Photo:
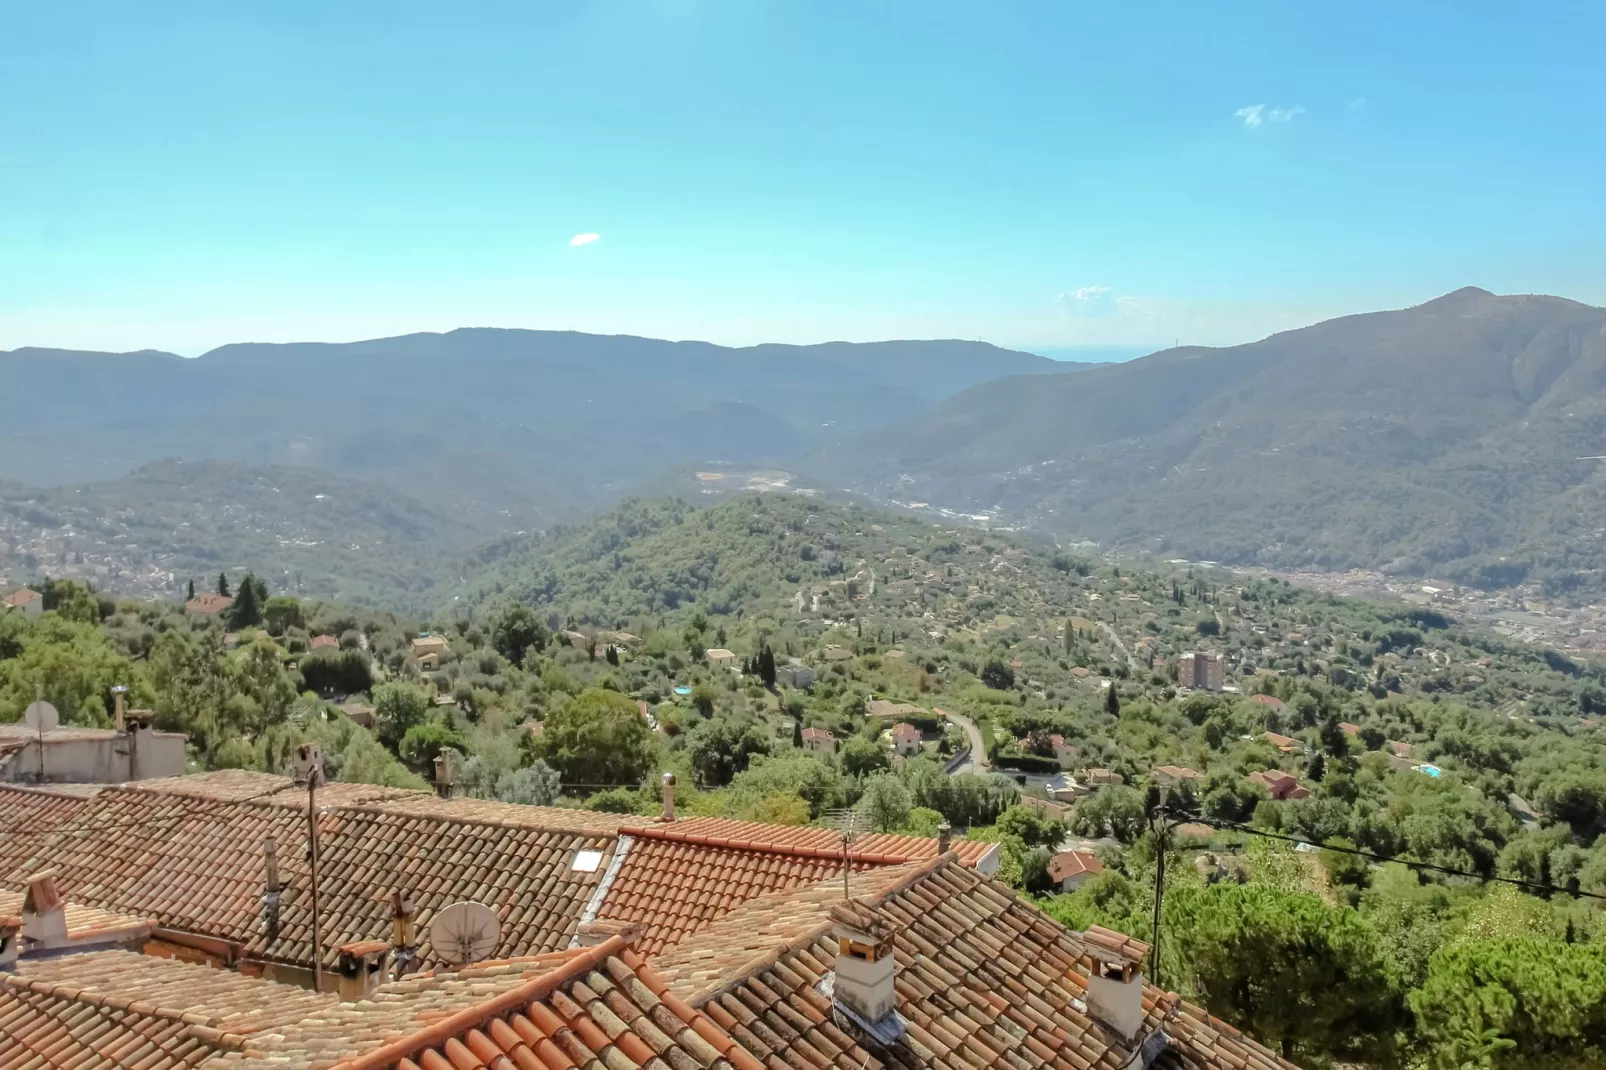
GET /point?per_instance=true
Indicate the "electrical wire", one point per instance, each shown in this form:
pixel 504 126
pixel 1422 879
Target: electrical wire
pixel 1234 826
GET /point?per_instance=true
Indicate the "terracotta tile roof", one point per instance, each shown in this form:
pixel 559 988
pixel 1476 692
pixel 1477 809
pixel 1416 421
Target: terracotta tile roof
pixel 209 603
pixel 117 1009
pixel 1073 864
pixel 324 642
pixel 984 980
pixel 22 596
pixel 189 854
pixel 678 878
pixel 27 815
pixel 1271 702
pixel 594 1008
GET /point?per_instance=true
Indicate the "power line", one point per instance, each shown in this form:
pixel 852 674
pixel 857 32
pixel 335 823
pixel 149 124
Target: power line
pixel 1411 863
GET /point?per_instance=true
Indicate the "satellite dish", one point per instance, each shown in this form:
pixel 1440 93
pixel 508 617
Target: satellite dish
pixel 465 932
pixel 41 716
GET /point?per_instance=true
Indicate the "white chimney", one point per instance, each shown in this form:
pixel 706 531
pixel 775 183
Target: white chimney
pixel 1115 983
pixel 669 797
pixel 44 918
pixel 863 984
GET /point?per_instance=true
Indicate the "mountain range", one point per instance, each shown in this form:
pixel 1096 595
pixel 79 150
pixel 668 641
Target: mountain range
pixel 499 425
pixel 1462 438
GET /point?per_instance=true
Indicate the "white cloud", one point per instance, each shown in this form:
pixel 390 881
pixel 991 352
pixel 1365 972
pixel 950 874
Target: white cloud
pixel 1087 301
pixel 1256 114
pixel 584 239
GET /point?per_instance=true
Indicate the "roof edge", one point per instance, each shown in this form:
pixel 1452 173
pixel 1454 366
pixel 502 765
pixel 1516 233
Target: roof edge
pixel 580 964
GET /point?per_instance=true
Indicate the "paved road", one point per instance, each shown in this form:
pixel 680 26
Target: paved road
pixel 1131 662
pixel 978 752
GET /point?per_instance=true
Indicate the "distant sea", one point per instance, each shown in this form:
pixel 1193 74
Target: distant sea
pixel 1090 354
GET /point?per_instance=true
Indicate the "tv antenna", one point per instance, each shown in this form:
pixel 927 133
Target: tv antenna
pixel 846 822
pixel 465 932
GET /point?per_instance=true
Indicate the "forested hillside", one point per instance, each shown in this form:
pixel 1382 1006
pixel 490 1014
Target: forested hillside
pixel 307 532
pixel 574 666
pixel 1460 438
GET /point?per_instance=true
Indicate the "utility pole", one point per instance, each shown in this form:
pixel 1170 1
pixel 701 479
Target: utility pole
pixel 1159 892
pixel 311 756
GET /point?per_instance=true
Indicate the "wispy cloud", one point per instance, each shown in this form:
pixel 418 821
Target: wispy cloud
pixel 584 239
pixel 1084 294
pixel 1255 115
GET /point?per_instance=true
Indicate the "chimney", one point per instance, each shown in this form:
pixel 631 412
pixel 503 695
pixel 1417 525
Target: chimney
pixel 44 919
pixel 117 699
pixel 10 937
pixel 362 969
pixel 270 889
pixel 945 837
pixel 1115 982
pixel 443 775
pixel 401 933
pixel 863 984
pixel 669 797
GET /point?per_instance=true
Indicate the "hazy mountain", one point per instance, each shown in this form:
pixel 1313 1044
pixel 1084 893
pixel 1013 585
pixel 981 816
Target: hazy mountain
pixel 520 426
pixel 1462 436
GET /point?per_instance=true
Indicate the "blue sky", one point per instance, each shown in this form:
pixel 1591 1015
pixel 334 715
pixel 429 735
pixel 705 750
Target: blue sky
pixel 1052 175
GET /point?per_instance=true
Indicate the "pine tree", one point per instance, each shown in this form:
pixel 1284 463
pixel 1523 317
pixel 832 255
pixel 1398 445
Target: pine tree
pixel 223 584
pixel 246 612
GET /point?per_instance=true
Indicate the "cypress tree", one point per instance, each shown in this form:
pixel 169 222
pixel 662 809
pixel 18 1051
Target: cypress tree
pixel 223 584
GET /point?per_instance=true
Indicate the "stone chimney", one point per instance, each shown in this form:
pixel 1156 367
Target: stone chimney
pixel 863 984
pixel 945 837
pixel 668 789
pixel 270 889
pixel 1115 982
pixel 362 969
pixel 44 918
pixel 443 775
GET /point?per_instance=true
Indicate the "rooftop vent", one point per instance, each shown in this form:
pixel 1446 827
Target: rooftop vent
pixel 44 918
pixel 669 797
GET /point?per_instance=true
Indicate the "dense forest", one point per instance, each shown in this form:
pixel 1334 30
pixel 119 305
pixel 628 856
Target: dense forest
pixel 570 668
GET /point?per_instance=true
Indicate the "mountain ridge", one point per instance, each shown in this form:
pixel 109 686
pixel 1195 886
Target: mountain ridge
pixel 1471 407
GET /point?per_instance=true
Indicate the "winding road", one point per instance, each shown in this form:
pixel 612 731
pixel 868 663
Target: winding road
pixel 978 752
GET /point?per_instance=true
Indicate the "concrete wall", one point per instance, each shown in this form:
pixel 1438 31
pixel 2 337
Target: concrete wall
pixel 137 755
